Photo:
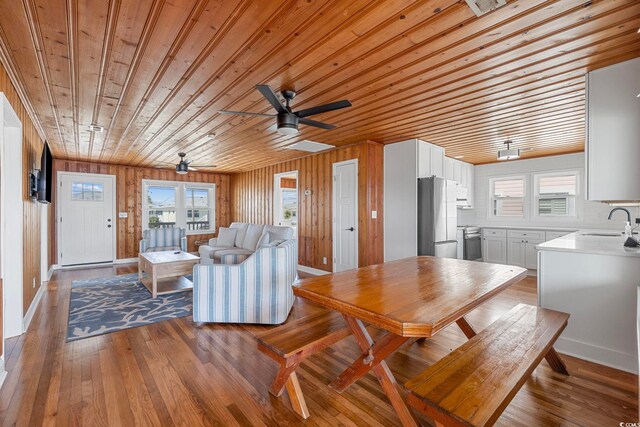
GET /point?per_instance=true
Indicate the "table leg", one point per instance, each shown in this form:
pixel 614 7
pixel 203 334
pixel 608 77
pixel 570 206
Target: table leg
pixel 154 282
pixel 553 359
pixel 373 359
pixel 139 269
pixel 467 329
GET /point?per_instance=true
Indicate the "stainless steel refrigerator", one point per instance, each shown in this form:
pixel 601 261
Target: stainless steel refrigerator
pixel 437 217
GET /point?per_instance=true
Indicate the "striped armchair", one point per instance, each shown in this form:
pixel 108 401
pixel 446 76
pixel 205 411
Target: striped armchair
pixel 163 239
pixel 259 290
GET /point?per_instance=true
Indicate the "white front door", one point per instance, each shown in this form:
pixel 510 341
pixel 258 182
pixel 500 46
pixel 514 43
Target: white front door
pixel 86 220
pixel 345 215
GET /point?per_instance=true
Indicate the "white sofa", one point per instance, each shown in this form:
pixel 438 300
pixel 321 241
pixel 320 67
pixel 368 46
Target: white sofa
pixel 248 237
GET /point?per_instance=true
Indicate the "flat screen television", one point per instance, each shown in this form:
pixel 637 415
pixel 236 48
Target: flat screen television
pixel 44 181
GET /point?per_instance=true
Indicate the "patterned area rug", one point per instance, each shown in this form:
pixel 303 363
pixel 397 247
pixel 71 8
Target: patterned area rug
pixel 110 304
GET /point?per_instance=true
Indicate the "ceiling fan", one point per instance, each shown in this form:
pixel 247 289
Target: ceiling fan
pixel 184 165
pixel 288 120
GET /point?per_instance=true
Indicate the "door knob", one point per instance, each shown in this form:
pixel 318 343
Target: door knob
pixel 349 229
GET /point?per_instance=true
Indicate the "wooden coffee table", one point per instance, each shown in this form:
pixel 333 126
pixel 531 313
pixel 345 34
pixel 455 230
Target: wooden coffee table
pixel 165 271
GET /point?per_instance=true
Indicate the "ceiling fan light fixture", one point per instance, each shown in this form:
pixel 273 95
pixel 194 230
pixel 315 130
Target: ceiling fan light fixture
pixel 509 153
pixel 287 130
pixel 182 168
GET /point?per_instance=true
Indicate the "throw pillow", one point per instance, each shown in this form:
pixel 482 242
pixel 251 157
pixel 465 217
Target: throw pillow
pixel 254 231
pixel 227 237
pixel 276 242
pixel 264 240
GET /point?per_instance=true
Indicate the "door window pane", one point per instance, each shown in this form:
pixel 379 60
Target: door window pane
pixel 161 203
pixel 289 206
pixel 87 191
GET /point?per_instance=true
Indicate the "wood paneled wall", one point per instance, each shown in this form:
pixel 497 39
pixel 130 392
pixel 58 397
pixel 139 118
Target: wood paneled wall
pixel 252 201
pixel 31 150
pixel 129 199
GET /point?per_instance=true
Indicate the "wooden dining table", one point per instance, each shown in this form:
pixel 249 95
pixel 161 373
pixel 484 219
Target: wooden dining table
pixel 410 299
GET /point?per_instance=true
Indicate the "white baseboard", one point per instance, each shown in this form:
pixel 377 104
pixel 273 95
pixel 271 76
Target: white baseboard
pixel 50 272
pixel 80 266
pixel 312 271
pixel 125 260
pixel 3 373
pixel 26 321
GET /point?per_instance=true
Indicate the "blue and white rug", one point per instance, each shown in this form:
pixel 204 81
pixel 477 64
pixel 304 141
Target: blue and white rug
pixel 110 304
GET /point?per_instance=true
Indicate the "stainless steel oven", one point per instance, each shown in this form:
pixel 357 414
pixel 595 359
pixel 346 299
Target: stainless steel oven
pixel 472 243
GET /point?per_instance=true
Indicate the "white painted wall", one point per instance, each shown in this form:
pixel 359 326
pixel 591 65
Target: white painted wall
pixel 400 200
pixel 11 214
pixel 590 214
pixel 44 242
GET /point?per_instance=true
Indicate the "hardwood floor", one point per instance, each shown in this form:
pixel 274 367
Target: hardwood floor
pixel 178 373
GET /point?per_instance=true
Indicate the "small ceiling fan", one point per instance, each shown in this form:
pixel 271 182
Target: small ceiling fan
pixel 185 165
pixel 288 120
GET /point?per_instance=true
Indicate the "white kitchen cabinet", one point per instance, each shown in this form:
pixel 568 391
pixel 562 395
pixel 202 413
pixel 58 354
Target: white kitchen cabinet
pixel 437 160
pixel 550 235
pixel 448 168
pixel 430 160
pixel 531 254
pixel 470 184
pixel 516 252
pixel 613 132
pixel 457 172
pixel 494 246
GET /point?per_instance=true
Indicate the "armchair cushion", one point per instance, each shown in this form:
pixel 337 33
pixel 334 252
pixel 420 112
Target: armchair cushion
pixel 218 254
pixel 164 248
pixel 227 236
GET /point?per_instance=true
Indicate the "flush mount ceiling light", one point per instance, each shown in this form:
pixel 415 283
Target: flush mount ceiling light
pixel 95 128
pixel 508 153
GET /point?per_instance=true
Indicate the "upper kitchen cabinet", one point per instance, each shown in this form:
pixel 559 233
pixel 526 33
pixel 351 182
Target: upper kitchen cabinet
pixel 430 160
pixel 613 133
pixel 462 173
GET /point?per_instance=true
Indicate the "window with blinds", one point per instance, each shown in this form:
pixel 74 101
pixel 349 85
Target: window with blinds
pixel 555 193
pixel 508 197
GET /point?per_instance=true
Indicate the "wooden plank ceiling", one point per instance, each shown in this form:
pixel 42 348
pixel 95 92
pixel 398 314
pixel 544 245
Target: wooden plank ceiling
pixel 155 73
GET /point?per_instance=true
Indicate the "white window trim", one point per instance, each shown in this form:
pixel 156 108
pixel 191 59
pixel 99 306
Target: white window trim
pixel 181 210
pixel 577 199
pixel 526 199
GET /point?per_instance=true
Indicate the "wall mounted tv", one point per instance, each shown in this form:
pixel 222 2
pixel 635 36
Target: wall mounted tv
pixel 41 180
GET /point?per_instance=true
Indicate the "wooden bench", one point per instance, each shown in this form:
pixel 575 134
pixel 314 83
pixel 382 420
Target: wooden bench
pixel 475 383
pixel 292 342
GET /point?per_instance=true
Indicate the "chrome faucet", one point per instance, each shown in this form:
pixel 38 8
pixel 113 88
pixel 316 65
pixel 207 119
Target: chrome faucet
pixel 621 209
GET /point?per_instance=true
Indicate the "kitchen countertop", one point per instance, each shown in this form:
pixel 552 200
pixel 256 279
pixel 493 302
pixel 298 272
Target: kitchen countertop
pixel 527 227
pixel 602 245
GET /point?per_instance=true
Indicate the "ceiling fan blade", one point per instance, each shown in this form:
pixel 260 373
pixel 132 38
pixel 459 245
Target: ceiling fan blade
pixel 268 93
pixel 323 108
pixel 202 166
pixel 316 124
pixel 245 113
pixel 273 128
